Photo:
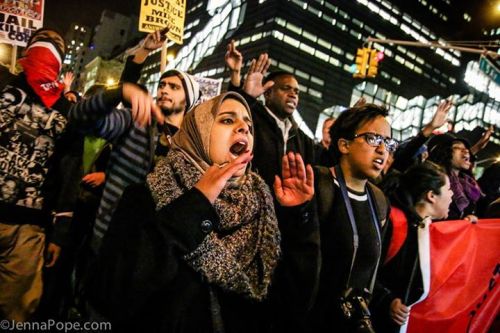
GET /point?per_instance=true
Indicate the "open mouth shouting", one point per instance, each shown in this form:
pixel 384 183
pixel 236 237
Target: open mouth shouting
pixel 378 163
pixel 238 148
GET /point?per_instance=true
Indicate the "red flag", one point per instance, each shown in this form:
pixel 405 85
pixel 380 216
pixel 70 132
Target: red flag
pixel 460 264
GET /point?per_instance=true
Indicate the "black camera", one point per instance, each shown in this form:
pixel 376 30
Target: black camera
pixel 355 309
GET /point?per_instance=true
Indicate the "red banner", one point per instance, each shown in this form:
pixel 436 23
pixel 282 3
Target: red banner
pixel 464 280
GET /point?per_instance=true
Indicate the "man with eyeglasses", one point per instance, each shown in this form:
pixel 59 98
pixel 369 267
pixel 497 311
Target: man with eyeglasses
pixel 352 213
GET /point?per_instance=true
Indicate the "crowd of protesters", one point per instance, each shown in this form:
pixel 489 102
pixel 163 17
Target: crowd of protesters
pixel 171 215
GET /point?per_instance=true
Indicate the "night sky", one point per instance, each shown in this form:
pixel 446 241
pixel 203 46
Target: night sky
pixel 60 14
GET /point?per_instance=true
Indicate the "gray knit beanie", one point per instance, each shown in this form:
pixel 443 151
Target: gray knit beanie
pixel 191 87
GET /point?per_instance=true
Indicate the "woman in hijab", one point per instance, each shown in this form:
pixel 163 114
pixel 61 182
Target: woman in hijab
pixel 196 247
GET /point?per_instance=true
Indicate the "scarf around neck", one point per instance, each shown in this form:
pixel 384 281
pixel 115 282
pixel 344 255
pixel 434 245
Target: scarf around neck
pixel 465 190
pixel 241 255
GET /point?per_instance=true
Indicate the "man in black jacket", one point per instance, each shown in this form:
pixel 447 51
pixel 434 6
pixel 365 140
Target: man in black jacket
pixel 276 133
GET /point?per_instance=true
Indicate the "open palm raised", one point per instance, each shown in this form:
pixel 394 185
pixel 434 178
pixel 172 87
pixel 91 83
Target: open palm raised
pixel 297 183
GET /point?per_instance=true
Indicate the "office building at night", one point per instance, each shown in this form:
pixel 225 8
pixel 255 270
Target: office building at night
pixel 317 41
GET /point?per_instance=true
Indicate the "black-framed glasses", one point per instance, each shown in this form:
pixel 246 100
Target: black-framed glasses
pixel 375 140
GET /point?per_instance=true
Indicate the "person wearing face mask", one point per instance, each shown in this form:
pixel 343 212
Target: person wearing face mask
pixel 197 248
pixel 423 194
pixel 454 155
pixel 22 222
pixel 23 227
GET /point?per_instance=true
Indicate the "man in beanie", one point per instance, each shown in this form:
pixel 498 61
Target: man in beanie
pixel 135 148
pixel 32 127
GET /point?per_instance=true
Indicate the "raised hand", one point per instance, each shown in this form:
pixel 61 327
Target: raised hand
pixel 154 40
pixel 215 178
pixel 233 58
pixel 297 186
pixel 359 103
pixel 143 106
pixel 253 82
pixel 68 78
pixel 483 141
pixel 439 118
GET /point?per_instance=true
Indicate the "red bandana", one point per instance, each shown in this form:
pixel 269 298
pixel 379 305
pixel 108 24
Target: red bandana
pixel 41 65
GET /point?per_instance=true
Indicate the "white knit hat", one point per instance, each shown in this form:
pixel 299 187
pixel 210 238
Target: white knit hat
pixel 191 87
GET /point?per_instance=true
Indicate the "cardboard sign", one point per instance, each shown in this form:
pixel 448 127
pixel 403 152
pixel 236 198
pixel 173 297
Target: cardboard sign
pixel 158 14
pixel 19 19
pixel 209 87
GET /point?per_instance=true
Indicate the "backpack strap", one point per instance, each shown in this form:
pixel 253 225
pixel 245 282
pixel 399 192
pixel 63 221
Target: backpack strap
pixel 399 232
pixel 325 191
pixel 381 203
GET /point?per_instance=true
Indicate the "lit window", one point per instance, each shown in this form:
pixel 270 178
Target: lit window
pixel 294 28
pixel 256 37
pixel 291 41
pixel 278 35
pixel 302 74
pixel 306 48
pixel 285 67
pixel 322 56
pixel 317 80
pixel 409 65
pixel 337 50
pixel 324 43
pixel 315 93
pixel 335 62
pixel 314 11
pixel 358 22
pixel 309 36
pixel 349 56
pixel 331 7
pixel 373 7
pixel 385 15
pixel 245 40
pixel 399 59
pixel 328 19
pixel 343 14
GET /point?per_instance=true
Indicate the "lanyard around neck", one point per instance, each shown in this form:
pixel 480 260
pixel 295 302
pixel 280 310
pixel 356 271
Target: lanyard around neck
pixel 355 242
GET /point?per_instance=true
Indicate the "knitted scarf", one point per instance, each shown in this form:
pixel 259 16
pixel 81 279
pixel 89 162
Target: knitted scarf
pixel 241 255
pixel 465 190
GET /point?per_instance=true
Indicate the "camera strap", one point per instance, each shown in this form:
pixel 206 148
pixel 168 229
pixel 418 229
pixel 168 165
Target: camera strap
pixel 347 203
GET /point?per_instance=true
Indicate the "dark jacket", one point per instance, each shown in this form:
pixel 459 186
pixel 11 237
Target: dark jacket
pixel 269 144
pixel 141 282
pixel 400 277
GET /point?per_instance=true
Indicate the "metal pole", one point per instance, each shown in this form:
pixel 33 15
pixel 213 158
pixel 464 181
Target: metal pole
pixel 13 59
pixel 434 44
pixel 163 60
